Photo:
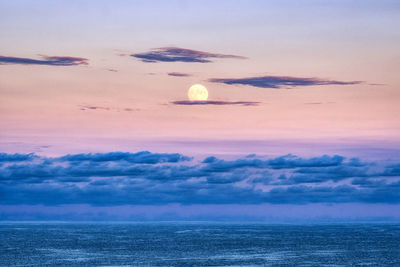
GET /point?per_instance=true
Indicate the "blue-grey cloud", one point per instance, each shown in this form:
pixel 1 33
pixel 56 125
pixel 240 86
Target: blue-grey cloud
pixel 47 60
pixel 323 174
pixel 282 162
pixel 144 157
pixel 214 102
pixel 122 178
pixel 278 82
pixel 176 54
pixel 4 157
pixel 392 170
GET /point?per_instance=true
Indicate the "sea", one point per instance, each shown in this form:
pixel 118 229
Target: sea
pixel 198 244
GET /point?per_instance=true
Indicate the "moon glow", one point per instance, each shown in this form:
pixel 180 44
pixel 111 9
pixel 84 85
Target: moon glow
pixel 197 92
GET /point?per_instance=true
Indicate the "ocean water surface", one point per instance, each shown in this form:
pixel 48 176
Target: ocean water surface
pixel 198 244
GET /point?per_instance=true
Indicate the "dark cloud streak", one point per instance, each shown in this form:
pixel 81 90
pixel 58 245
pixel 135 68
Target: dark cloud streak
pixel 214 102
pixel 179 74
pixel 279 82
pixel 47 60
pixel 176 54
pixel 103 108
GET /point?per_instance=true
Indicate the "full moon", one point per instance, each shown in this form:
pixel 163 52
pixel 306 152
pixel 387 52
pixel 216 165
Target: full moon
pixel 197 92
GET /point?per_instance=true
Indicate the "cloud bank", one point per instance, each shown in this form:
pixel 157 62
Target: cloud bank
pixel 47 60
pixel 145 178
pixel 176 54
pixel 278 82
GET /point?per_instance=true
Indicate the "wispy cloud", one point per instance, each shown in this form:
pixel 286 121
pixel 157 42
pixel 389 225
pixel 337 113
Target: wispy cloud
pixel 278 82
pixel 214 102
pixel 89 107
pixel 94 108
pixel 46 60
pixel 179 74
pixel 176 54
pixel 122 178
pixel 313 103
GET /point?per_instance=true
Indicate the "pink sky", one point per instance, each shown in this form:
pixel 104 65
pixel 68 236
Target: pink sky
pixel 41 105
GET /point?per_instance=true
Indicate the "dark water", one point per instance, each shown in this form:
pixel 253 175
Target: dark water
pixel 198 244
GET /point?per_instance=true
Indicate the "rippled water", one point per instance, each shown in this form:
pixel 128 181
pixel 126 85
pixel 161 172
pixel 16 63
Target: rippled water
pixel 198 244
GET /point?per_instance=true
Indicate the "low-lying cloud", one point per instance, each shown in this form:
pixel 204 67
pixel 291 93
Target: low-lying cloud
pixel 122 178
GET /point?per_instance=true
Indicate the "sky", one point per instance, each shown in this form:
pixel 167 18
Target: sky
pixel 302 121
